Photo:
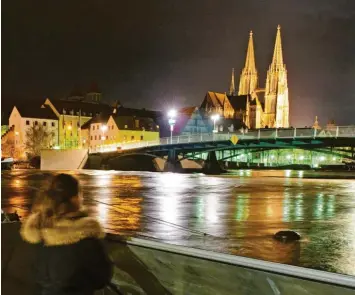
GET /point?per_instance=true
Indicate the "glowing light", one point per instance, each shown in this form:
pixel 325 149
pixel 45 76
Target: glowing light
pixel 172 113
pixel 215 117
pixel 69 127
pixel 16 133
pixel 288 173
pixel 322 158
pixel 315 165
pixel 56 147
pixel 300 174
pixel 301 158
pixel 103 137
pixel 272 157
pixel 334 158
pixel 103 128
pixel 288 157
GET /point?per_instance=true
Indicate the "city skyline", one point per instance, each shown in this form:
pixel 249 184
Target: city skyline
pixel 174 58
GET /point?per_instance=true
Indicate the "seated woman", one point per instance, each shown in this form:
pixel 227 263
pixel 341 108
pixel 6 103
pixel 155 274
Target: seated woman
pixel 70 259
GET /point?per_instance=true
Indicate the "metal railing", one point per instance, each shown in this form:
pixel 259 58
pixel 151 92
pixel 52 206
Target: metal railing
pixel 290 133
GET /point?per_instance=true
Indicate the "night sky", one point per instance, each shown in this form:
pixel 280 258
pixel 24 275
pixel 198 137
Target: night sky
pixel 160 54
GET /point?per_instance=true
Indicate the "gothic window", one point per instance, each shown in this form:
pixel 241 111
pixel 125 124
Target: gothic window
pixel 36 123
pixel 44 123
pixel 27 122
pixel 53 124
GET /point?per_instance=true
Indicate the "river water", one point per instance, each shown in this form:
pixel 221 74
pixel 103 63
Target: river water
pixel 239 212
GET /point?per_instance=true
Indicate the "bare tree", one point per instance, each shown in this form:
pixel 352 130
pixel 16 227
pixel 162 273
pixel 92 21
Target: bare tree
pixel 38 138
pixel 8 147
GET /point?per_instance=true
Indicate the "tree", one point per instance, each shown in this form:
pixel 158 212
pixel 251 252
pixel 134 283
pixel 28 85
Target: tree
pixel 38 138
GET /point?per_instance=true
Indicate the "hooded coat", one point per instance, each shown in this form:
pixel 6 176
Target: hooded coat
pixel 70 258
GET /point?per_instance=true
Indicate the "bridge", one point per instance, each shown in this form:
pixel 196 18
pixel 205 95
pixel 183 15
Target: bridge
pixel 338 141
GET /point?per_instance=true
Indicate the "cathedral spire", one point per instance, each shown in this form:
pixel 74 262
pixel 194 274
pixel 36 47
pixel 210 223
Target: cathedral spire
pixel 232 85
pixel 276 90
pixel 277 59
pixel 250 60
pixel 249 77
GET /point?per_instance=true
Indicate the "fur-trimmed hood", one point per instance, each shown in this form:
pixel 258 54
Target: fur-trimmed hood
pixel 65 231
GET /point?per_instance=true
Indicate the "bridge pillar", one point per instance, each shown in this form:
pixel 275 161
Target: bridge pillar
pixel 172 163
pixel 211 164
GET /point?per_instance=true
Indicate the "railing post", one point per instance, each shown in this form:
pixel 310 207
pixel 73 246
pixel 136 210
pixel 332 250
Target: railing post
pixel 276 133
pixel 259 134
pixel 294 133
pixel 201 139
pixel 189 138
pixel 315 133
pixel 178 139
pixel 337 132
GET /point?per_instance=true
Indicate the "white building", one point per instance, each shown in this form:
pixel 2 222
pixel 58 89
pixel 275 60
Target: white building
pixel 22 118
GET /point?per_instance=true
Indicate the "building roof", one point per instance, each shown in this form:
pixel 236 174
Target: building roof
pixel 129 123
pixel 36 112
pixel 122 111
pixel 87 109
pixel 238 102
pixel 218 99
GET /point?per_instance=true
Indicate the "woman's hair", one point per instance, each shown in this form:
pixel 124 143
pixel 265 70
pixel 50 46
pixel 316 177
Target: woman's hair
pixel 57 200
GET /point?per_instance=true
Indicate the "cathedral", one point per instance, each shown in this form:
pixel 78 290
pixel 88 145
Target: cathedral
pixel 256 107
pixel 269 106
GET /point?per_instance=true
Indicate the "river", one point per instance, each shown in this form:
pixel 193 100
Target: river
pixel 239 212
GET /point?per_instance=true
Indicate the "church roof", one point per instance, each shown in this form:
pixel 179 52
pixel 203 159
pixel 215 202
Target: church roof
pixel 218 99
pixel 238 102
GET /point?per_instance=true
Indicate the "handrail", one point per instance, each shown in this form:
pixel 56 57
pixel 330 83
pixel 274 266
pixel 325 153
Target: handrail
pixel 281 133
pixel 283 269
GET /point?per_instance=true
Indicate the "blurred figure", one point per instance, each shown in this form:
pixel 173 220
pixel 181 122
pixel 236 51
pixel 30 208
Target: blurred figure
pixel 70 259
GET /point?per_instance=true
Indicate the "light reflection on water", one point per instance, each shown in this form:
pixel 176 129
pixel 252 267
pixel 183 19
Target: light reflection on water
pixel 241 211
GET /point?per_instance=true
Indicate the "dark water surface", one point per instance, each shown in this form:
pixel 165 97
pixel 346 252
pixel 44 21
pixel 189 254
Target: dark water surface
pixel 240 212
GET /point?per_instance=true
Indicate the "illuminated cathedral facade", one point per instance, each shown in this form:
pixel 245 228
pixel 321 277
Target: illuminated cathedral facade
pixel 262 107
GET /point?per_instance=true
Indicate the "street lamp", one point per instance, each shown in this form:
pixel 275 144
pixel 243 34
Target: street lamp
pixel 172 121
pixel 214 118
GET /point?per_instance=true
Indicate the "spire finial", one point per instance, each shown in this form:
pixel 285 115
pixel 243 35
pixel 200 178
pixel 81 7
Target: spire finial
pixel 232 85
pixel 277 59
pixel 250 60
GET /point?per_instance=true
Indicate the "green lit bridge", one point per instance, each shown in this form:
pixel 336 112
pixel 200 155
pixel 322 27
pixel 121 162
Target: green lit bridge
pixel 266 147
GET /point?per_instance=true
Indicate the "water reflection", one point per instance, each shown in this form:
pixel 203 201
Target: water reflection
pixel 241 212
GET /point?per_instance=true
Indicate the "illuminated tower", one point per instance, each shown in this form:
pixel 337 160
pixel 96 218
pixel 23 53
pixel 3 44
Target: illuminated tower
pixel 276 93
pixel 249 76
pixel 232 86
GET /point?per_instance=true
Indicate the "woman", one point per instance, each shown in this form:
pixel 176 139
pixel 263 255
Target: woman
pixel 71 259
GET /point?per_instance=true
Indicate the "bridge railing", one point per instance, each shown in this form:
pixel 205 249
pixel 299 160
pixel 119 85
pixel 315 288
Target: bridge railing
pixel 301 133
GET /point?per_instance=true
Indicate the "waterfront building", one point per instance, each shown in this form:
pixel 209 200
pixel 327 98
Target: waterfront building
pixel 8 143
pixel 262 107
pixel 23 117
pixel 123 125
pixel 73 113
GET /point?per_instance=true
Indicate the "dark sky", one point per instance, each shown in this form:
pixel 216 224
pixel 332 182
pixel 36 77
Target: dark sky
pixel 159 54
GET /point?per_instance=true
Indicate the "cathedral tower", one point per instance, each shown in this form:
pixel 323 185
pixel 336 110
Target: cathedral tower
pixel 249 76
pixel 276 93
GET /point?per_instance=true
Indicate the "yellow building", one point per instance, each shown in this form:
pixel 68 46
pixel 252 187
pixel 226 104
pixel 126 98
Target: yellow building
pixel 72 114
pixel 122 126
